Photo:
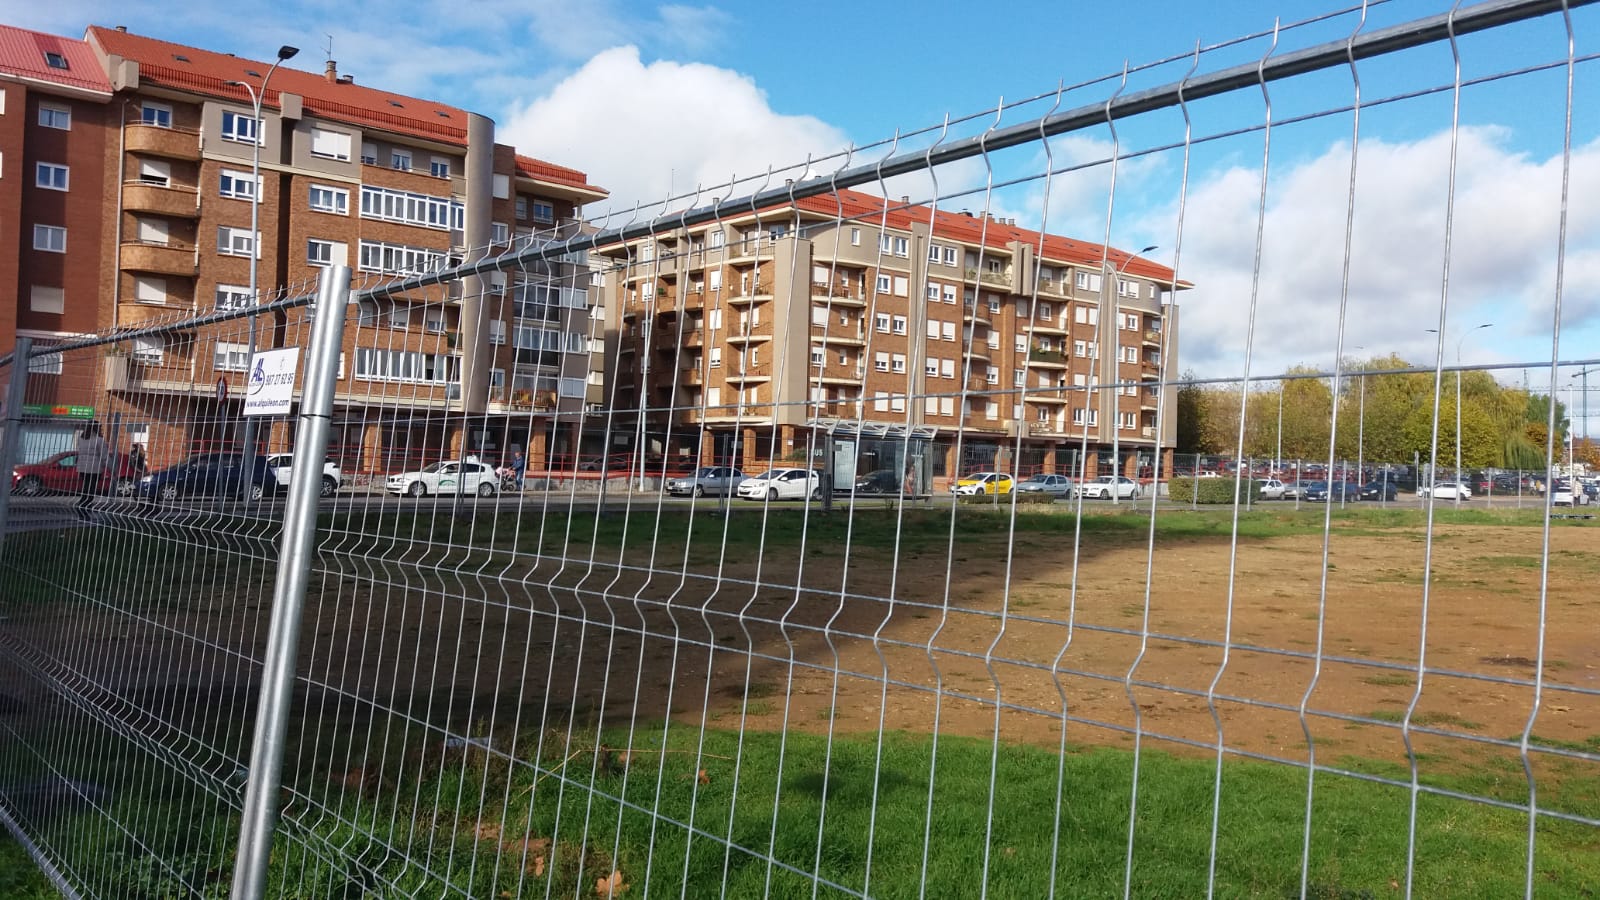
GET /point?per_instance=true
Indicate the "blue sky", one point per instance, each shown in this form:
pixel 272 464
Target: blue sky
pixel 653 99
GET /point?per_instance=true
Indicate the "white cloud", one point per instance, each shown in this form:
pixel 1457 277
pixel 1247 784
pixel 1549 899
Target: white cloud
pixel 640 130
pixel 1503 254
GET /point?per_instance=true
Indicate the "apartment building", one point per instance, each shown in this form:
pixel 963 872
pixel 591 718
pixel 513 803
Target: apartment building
pixel 388 184
pixel 875 319
pixel 54 98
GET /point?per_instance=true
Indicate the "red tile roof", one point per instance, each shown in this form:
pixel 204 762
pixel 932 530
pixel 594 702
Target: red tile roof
pixel 977 230
pixel 539 170
pixel 205 72
pixel 22 54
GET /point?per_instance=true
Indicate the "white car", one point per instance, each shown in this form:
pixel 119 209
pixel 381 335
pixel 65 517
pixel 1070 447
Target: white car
pixel 1446 490
pixel 449 477
pixel 1564 494
pixel 282 466
pixel 1272 489
pixel 1102 488
pixel 782 484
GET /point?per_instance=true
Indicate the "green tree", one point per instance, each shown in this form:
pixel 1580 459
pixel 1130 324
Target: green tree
pixel 1190 411
pixel 1307 410
pixel 1481 444
pixel 1219 420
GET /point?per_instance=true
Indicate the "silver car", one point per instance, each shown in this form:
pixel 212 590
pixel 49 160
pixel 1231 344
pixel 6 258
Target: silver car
pixel 1055 485
pixel 713 481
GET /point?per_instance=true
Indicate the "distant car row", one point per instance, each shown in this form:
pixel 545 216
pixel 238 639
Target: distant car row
pixel 201 475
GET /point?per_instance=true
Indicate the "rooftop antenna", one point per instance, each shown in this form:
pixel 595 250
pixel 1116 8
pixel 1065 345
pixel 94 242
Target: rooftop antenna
pixel 328 48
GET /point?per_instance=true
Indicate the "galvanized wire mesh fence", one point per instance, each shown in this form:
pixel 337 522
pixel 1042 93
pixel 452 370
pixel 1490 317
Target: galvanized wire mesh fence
pixel 830 538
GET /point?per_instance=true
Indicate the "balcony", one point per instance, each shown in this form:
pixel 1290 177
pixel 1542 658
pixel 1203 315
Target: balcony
pixel 820 335
pixel 979 351
pixel 1152 338
pixel 978 314
pixel 1148 400
pixel 1047 359
pixel 749 338
pixel 1148 431
pixel 161 259
pixel 1044 326
pixel 167 200
pixel 1050 396
pixel 840 296
pixel 744 299
pixel 749 374
pixel 153 140
pixel 998 279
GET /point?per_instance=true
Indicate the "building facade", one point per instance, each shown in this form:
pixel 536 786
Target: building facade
pixel 387 184
pixel 741 340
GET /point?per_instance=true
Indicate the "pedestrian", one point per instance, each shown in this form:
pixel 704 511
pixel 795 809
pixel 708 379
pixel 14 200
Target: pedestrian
pixel 136 460
pixel 93 455
pixel 519 467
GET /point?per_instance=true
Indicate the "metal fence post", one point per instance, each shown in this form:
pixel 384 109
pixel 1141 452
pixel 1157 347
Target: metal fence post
pixel 16 393
pixel 260 816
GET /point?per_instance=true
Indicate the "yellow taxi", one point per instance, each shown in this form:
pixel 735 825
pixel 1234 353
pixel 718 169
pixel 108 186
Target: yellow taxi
pixel 984 483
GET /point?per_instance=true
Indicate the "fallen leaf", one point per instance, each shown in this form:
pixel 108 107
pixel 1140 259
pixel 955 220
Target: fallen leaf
pixel 612 886
pixel 487 831
pixel 534 850
pixel 704 778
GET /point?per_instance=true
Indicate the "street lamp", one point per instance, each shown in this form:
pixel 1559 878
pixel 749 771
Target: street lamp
pixel 285 52
pixel 1584 377
pixel 1116 371
pixel 1458 405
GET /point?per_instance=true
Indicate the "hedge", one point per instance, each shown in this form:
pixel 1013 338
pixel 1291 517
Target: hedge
pixel 1023 498
pixel 1212 490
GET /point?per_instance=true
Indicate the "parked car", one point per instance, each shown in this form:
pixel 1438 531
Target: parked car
pixel 60 473
pixel 1446 490
pixel 1564 493
pixel 282 466
pixel 1294 490
pixel 1323 491
pixel 1105 486
pixel 1380 490
pixel 984 483
pixel 1054 485
pixel 212 475
pixel 1272 489
pixel 782 484
pixel 447 477
pixel 879 481
pixel 716 481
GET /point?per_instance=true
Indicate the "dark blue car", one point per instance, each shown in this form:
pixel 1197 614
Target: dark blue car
pixel 211 475
pixel 1379 490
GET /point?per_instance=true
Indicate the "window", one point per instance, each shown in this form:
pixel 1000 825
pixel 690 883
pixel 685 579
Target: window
pixel 148 289
pixel 399 317
pixel 819 316
pixel 499 233
pixel 330 144
pixel 714 280
pixel 950 294
pixel 1079 348
pixel 502 187
pixel 880 362
pixel 434 324
pixel 882 320
pixel 231 357
pixel 522 206
pixel 901 286
pixel 714 320
pixel 897 402
pixel 155 171
pixel 237 185
pixel 902 247
pixel 398 259
pixel 930 367
pixel 844 357
pixel 1126 288
pixel 440 213
pixel 50 238
pixel 439 167
pixel 1130 322
pixel 545 211
pixel 994 304
pixel 818 357
pixel 933 330
pixel 991 410
pixel 402 365
pixel 369 153
pixel 53 116
pixel 1088 281
pixel 884 244
pixel 50 176
pixel 947 406
pixel 1021 344
pixel 232 296
pixel 1046 311
pixel 400 160
pixel 855 237
pixel 157 114
pixel 325 253
pixel 899 324
pixel 884 284
pixel 947 368
pixel 992 376
pixel 329 199
pixel 238 127
pixel 1130 354
pixel 1017 378
pixel 55 60
pixel 1128 420
pixel 949 256
pixel 933 293
pixel 897 363
pixel 949 329
pixel 933 253
pixel 46 300
pixel 715 357
pixel 234 241
pixel 715 239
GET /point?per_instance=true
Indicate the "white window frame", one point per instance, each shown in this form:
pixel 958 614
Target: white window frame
pixel 855 237
pixel 336 201
pixel 230 357
pixel 233 241
pixel 51 176
pixel 156 114
pixel 902 247
pixel 400 159
pixel 439 166
pixel 899 325
pixel 950 256
pixel 50 238
pixel 47 299
pixel 881 322
pixel 329 144
pixel 237 185
pixel 231 296
pixel 240 128
pixel 54 115
pixel 321 252
pixel 880 361
pixel 897 363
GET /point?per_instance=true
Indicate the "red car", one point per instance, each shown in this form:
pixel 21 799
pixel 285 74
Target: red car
pixel 60 473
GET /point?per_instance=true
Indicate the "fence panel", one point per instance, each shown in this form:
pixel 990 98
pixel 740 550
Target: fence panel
pixel 733 587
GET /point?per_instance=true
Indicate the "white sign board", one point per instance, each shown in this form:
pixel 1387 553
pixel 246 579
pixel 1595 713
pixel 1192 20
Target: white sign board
pixel 270 391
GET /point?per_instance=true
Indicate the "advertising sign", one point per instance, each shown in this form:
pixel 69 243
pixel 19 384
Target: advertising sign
pixel 270 391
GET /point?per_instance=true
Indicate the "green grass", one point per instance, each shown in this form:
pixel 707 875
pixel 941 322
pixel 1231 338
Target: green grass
pixel 832 807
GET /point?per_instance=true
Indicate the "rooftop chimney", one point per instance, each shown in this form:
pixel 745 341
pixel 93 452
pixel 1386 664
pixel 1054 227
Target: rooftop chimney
pixel 347 79
pixel 332 72
pixel 122 28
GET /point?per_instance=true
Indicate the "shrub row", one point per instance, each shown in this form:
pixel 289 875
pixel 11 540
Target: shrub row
pixel 1210 490
pixel 1023 498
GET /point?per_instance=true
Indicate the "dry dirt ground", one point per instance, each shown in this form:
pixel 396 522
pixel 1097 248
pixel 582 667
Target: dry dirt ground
pixel 858 636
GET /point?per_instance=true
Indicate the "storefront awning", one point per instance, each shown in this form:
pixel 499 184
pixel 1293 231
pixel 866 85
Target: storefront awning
pixel 862 428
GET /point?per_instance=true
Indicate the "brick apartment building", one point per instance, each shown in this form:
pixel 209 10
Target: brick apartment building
pixel 126 181
pixel 740 340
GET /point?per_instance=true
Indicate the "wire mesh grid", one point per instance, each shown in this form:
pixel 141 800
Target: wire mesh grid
pixel 830 538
